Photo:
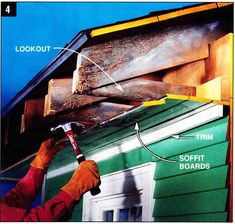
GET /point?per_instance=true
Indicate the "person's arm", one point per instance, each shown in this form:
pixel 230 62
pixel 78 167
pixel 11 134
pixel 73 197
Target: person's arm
pixel 59 208
pixel 85 177
pixel 28 187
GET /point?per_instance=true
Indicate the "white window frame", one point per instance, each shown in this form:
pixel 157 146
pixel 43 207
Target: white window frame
pixel 112 193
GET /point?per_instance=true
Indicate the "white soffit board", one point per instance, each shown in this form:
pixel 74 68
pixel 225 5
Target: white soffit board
pixel 177 125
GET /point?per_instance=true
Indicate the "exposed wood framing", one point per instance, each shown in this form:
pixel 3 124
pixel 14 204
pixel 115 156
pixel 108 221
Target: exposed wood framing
pixel 140 54
pixel 61 99
pixel 191 74
pixel 220 63
pixel 140 89
pixel 211 89
pixel 32 119
pixel 91 115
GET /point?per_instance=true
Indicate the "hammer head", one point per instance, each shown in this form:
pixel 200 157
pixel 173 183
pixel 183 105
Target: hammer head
pixel 67 126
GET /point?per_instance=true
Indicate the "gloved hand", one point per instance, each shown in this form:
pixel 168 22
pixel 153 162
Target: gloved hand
pixel 45 154
pixel 84 178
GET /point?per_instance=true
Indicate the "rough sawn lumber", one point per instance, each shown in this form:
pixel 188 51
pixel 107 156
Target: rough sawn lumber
pixel 61 99
pixel 140 89
pixel 141 54
pixel 91 115
pixel 32 119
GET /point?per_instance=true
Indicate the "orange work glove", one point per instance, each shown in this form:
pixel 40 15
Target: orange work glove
pixel 84 178
pixel 45 154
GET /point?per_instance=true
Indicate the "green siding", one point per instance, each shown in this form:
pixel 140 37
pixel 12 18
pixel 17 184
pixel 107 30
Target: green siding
pixel 125 161
pixel 203 202
pixel 183 195
pixel 209 217
pixel 170 147
pixel 77 212
pixel 121 133
pixel 192 182
pixel 58 181
pixel 215 155
pixel 174 147
pixel 142 114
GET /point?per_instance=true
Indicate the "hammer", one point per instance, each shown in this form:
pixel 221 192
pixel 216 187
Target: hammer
pixel 67 128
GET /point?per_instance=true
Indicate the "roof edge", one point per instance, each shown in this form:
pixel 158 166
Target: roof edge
pixel 147 20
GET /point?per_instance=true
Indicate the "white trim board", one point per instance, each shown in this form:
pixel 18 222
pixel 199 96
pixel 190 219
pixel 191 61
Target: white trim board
pixel 177 125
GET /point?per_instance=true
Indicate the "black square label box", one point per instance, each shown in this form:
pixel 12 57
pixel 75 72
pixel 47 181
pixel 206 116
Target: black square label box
pixel 8 8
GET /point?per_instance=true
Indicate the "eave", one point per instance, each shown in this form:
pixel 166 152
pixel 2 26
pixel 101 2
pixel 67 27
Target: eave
pixel 120 130
pixel 84 39
pixel 85 36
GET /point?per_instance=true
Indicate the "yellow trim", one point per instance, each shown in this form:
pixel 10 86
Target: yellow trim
pixel 123 26
pixel 153 103
pixel 195 98
pixel 231 63
pixel 154 19
pixel 177 97
pixel 221 102
pixel 183 12
pixel 183 97
pixel 222 4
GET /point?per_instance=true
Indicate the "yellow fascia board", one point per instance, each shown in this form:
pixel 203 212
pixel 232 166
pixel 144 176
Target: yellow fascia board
pixel 153 103
pixel 177 97
pixel 231 64
pixel 221 102
pixel 123 26
pixel 195 98
pixel 183 12
pixel 154 19
pixel 222 4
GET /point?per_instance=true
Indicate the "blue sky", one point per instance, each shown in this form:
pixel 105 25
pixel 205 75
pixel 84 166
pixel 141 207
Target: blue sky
pixel 55 24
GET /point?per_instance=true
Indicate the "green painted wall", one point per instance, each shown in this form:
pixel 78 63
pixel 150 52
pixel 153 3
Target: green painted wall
pixel 180 195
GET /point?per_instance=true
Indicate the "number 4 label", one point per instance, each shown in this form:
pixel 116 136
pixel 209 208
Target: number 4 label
pixel 8 8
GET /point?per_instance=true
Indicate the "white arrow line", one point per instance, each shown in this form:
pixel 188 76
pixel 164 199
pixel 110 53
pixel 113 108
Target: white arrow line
pixel 118 86
pixel 182 137
pixel 149 151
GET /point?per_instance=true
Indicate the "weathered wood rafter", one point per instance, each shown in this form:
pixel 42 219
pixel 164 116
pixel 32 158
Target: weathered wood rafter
pixel 92 115
pixel 140 89
pixel 61 99
pixel 140 54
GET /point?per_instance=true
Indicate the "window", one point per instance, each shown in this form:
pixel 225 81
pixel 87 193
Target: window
pixel 133 214
pixel 108 216
pixel 125 196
